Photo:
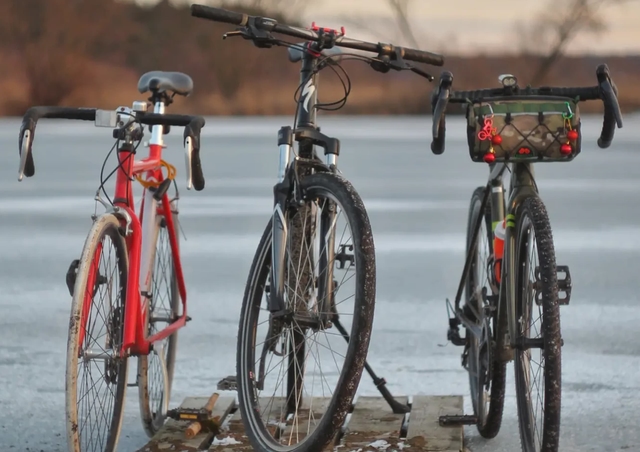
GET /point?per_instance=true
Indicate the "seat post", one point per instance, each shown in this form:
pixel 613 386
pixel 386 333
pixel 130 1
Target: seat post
pixel 157 131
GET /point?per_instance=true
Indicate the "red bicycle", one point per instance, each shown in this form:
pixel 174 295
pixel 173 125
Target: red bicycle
pixel 128 290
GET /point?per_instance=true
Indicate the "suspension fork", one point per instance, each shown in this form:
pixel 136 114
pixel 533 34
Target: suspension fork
pixel 326 289
pixel 279 230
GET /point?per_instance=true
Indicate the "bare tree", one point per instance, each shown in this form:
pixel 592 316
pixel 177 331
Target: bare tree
pixel 401 10
pixel 551 33
pixel 404 30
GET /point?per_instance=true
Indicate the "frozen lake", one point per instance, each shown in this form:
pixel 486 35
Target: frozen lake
pixel 418 205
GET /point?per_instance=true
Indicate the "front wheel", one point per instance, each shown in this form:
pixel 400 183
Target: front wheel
pixel 296 373
pixel 96 377
pixel 537 359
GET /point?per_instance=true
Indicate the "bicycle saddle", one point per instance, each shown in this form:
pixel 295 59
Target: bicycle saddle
pixel 161 81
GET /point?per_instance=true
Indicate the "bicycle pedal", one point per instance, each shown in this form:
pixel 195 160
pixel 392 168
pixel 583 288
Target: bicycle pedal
pixel 188 319
pixel 228 384
pixel 453 333
pixel 564 284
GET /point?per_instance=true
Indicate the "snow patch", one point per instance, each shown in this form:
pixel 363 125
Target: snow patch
pixel 380 444
pixel 228 441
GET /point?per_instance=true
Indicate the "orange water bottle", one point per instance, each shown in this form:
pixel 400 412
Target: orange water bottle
pixel 498 247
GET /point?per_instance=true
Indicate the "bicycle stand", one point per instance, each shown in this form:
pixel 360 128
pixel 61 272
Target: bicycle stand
pixel 379 382
pixel 230 383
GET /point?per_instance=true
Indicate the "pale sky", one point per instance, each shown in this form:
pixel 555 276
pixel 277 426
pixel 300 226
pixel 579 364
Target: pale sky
pixel 467 26
pixel 464 26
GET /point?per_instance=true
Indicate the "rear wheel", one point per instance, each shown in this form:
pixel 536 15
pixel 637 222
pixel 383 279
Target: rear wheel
pixel 487 376
pixel 538 359
pixel 96 376
pixel 155 370
pixel 297 376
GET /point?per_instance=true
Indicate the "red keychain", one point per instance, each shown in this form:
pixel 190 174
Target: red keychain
pixel 488 132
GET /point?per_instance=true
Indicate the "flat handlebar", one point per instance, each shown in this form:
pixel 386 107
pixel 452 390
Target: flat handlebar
pixel 605 91
pixel 192 128
pixel 271 25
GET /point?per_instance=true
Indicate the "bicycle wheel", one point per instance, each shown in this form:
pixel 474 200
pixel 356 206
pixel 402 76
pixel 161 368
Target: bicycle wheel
pixel 487 376
pixel 94 404
pixel 155 370
pixel 291 416
pixel 538 390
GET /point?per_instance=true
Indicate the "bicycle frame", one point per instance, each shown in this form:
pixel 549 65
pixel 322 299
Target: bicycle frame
pixel 522 186
pixel 139 232
pixel 308 135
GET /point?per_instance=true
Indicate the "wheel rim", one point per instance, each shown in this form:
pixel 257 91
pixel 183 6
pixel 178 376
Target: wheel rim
pixel 277 425
pixel 479 349
pixel 530 363
pixel 99 377
pixel 155 373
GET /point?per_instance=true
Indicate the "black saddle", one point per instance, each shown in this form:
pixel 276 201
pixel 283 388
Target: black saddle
pixel 160 81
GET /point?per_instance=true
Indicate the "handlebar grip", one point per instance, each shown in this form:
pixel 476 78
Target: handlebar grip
pixel 219 15
pixel 421 56
pixel 29 122
pixel 439 102
pixel 612 115
pixel 157 119
pixel 587 93
pixel 192 130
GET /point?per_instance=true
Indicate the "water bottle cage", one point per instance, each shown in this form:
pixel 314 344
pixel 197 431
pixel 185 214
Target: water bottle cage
pixel 492 263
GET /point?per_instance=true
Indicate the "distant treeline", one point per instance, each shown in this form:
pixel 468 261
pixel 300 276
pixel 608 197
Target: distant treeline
pixel 92 52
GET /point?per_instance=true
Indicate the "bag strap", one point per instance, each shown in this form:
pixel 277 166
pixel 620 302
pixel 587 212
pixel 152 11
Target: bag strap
pixel 524 107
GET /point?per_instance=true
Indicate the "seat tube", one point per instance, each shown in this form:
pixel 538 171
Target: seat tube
pixel 149 222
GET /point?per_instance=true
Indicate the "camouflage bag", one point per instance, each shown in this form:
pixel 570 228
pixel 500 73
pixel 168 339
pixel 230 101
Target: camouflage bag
pixel 540 128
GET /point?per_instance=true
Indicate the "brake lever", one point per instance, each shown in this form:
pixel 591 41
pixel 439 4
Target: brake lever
pixel 446 80
pixel 421 73
pixel 261 38
pixel 231 34
pixel 609 92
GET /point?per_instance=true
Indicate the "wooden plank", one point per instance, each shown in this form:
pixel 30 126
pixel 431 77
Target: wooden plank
pixel 372 427
pixel 425 431
pixel 373 420
pixel 172 434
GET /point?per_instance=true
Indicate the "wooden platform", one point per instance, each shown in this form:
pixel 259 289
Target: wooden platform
pixel 371 426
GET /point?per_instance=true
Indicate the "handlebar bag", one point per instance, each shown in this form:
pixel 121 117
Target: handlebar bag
pixel 529 129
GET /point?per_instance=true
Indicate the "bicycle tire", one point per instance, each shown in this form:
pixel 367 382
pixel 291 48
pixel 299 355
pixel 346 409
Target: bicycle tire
pixel 153 401
pixel 533 217
pixel 340 403
pixel 489 421
pixel 116 369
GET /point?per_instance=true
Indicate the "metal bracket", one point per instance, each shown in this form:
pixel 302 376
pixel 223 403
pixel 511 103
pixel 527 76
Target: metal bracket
pixel 454 420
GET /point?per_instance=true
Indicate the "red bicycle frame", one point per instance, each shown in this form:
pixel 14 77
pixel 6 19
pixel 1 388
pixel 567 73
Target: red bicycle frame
pixel 135 339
